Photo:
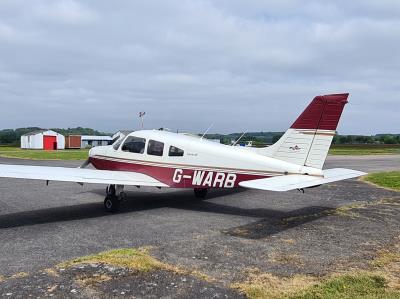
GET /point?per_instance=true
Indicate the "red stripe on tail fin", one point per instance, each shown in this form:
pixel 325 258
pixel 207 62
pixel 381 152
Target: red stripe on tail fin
pixel 323 113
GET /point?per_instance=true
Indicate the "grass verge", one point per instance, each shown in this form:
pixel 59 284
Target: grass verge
pixel 15 152
pixel 349 286
pixel 354 285
pixel 389 180
pixel 339 211
pixel 364 149
pixel 265 285
pixel 346 211
pixel 137 259
pixel 131 258
pixel 20 275
pixel 381 279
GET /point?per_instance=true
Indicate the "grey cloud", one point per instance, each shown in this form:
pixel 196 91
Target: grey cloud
pixel 241 65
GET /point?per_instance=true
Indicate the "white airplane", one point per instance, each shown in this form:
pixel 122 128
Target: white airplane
pixel 164 159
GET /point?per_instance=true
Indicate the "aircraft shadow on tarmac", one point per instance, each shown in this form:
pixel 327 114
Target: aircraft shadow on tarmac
pixel 270 220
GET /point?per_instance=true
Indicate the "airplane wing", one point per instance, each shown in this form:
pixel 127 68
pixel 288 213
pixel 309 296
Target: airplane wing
pixel 298 181
pixel 78 175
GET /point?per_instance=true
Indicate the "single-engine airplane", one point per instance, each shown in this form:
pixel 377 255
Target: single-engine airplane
pixel 171 160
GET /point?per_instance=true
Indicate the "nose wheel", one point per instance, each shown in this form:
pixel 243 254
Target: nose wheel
pixel 114 197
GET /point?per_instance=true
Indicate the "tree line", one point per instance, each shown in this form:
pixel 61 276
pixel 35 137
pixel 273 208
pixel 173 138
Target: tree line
pixel 13 136
pixel 359 139
pixel 272 137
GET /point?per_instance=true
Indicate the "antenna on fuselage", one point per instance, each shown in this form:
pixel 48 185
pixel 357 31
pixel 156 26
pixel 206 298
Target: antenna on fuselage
pixel 239 138
pixel 207 130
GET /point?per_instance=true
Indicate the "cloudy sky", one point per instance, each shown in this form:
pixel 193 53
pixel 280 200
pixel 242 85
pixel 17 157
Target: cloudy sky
pixel 242 65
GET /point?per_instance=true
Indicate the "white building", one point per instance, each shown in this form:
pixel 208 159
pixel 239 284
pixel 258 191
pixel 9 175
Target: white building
pixel 43 139
pixel 92 141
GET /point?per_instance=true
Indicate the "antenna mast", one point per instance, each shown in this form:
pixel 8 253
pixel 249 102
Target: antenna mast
pixel 207 130
pixel 239 138
pixel 141 116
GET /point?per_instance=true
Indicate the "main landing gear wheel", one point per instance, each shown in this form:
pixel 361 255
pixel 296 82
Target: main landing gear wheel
pixel 115 196
pixel 200 193
pixel 111 203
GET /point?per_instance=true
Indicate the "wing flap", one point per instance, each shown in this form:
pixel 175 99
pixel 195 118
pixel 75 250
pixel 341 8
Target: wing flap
pixel 78 175
pixel 298 181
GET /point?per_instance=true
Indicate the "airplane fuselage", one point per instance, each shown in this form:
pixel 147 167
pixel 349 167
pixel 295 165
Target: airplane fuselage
pixel 203 164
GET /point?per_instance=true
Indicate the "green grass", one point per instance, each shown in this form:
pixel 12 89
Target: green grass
pixel 15 152
pixel 389 180
pixel 360 285
pixel 345 286
pixel 131 258
pixel 137 259
pixel 348 287
pixel 381 280
pixel 374 149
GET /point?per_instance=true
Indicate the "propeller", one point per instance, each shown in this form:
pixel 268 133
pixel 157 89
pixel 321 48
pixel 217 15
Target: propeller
pixel 85 164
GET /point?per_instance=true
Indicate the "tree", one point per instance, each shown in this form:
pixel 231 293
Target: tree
pixel 8 136
pixel 275 138
pixel 225 140
pixel 389 139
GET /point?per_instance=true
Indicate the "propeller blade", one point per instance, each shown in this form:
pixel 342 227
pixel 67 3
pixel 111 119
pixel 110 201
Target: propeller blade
pixel 85 164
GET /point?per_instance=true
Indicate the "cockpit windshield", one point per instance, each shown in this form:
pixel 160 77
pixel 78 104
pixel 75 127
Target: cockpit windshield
pixel 134 144
pixel 117 143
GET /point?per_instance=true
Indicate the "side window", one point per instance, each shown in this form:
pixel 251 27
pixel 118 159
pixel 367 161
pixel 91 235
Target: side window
pixel 134 145
pixel 175 152
pixel 155 148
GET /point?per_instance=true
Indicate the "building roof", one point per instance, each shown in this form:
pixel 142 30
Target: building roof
pixel 36 132
pixel 87 137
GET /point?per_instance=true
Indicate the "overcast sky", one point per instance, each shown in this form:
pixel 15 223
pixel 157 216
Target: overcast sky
pixel 242 65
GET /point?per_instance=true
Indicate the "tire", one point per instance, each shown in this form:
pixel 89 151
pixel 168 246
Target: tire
pixel 200 193
pixel 111 204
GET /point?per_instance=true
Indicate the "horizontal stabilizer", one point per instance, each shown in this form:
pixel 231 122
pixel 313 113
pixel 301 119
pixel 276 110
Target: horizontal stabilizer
pixel 299 181
pixel 78 175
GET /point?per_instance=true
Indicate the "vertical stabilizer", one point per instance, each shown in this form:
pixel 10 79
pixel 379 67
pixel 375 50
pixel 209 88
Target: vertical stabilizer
pixel 308 140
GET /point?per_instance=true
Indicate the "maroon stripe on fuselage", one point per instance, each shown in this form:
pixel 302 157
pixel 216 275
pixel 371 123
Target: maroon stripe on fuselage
pixel 179 177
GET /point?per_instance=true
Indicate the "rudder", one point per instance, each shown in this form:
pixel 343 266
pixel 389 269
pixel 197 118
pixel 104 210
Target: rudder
pixel 308 140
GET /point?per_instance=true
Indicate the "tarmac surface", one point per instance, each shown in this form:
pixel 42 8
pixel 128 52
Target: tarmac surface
pixel 222 237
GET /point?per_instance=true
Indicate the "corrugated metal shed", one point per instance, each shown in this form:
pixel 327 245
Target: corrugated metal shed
pixel 73 141
pixel 43 139
pixel 92 141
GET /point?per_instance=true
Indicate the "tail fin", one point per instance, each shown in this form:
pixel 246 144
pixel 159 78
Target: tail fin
pixel 308 140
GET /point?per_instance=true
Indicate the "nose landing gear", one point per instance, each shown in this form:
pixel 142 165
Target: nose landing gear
pixel 115 195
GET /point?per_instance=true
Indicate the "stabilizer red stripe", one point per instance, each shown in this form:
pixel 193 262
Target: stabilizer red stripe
pixel 323 113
